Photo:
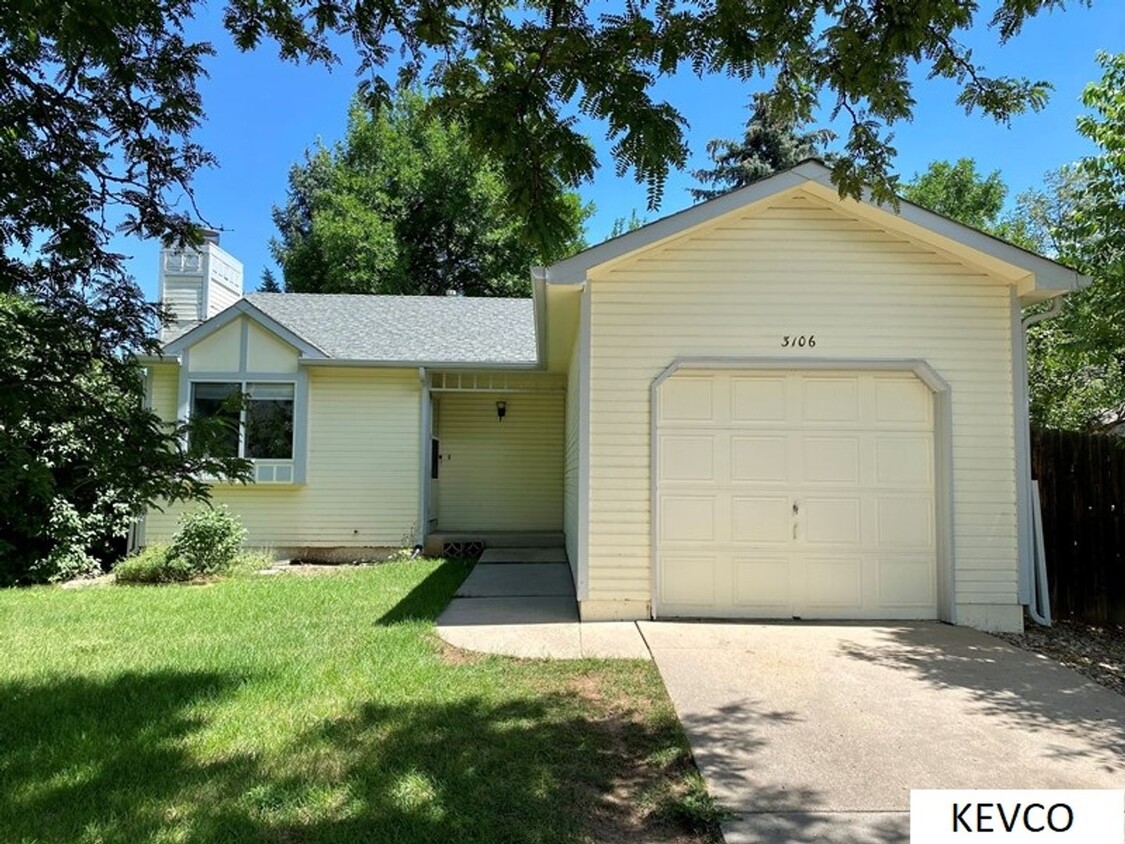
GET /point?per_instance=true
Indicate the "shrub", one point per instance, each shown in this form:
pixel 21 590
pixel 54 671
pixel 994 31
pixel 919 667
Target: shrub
pixel 208 541
pixel 152 565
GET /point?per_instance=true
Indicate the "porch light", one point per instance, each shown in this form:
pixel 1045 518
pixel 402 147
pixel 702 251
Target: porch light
pixel 501 410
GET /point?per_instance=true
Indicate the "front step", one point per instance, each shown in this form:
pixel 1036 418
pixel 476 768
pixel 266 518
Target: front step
pixel 436 541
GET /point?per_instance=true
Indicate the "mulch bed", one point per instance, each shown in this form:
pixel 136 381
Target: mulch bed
pixel 1097 651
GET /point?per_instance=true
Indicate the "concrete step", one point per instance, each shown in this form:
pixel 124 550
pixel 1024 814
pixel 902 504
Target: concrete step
pixel 523 555
pixel 495 539
pixel 516 579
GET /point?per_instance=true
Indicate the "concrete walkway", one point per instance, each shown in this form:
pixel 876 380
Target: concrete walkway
pixel 520 602
pixel 818 732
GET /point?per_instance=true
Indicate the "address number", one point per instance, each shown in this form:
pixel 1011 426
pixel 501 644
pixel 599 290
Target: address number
pixel 801 341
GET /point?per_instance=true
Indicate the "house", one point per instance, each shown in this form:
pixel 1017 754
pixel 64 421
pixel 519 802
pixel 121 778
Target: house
pixel 775 404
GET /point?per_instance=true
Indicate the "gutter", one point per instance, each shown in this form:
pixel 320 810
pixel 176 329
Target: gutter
pixel 1039 607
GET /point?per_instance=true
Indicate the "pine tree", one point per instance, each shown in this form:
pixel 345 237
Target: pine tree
pixel 768 144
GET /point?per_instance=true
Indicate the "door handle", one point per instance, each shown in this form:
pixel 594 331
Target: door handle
pixel 796 513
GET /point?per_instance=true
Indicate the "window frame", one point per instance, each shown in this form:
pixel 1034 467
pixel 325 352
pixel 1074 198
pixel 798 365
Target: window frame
pixel 243 385
pixel 267 471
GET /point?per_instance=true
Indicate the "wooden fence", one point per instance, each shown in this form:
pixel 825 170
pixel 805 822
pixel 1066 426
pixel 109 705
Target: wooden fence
pixel 1082 488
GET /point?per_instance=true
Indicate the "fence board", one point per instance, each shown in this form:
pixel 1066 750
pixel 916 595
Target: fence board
pixel 1082 490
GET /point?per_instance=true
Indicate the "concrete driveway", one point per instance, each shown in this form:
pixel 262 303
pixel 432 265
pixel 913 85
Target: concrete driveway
pixel 818 732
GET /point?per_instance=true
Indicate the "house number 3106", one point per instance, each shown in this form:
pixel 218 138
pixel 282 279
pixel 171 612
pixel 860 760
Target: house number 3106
pixel 800 341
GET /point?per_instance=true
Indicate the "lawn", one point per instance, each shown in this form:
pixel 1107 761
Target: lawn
pixel 290 708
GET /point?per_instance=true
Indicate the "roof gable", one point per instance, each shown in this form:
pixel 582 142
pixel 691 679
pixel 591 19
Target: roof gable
pixel 1039 274
pixel 244 307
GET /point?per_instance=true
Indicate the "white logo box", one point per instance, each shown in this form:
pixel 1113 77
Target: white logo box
pixel 1016 816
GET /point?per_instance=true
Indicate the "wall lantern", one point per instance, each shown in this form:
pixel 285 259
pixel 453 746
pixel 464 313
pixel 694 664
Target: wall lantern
pixel 501 410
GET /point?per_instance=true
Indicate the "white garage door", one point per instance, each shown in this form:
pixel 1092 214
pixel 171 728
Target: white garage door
pixel 795 494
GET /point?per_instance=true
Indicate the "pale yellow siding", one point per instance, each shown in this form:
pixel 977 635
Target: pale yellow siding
pixel 501 475
pixel 799 267
pixel 266 353
pixel 570 460
pixel 219 352
pixel 363 452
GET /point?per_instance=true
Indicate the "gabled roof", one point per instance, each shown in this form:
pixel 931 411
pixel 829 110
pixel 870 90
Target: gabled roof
pixel 1049 276
pixel 407 330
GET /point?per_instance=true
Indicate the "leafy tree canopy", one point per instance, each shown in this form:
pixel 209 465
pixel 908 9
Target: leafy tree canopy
pixel 403 205
pixel 771 142
pixel 958 191
pixel 1078 358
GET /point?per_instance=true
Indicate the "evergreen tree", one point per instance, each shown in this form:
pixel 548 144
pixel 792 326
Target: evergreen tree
pixel 770 143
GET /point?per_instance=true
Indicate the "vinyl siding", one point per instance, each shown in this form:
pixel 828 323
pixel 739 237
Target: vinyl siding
pixel 219 298
pixel 570 461
pixel 362 483
pixel 501 475
pixel 799 267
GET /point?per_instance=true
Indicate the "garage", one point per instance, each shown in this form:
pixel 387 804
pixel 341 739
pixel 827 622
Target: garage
pixel 795 494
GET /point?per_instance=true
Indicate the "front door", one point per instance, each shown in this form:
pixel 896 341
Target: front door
pixel 435 468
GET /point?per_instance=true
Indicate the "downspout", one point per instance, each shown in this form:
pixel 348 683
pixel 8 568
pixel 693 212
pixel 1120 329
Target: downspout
pixel 1039 608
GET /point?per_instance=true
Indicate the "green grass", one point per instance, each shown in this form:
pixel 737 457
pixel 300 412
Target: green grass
pixel 290 708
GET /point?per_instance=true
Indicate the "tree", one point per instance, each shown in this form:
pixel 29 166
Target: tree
pixel 1078 358
pixel 268 283
pixel 624 225
pixel 402 205
pixel 95 103
pixel 770 143
pixel 959 192
pixel 98 104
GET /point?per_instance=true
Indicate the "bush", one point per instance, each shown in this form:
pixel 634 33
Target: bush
pixel 152 565
pixel 208 541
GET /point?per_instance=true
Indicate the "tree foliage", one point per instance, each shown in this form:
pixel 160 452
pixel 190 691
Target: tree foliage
pixel 95 103
pixel 958 191
pixel 1078 358
pixel 403 205
pixel 770 142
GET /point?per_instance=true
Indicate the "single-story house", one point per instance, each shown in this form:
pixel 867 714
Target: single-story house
pixel 775 404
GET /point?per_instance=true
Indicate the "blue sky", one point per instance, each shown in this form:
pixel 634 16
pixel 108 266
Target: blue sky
pixel 262 114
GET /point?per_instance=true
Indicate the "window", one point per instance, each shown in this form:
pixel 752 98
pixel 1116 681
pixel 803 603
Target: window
pixel 269 421
pixel 218 401
pixel 258 418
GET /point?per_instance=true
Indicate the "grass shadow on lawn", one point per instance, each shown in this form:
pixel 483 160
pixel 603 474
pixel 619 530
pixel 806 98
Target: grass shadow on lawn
pixel 115 764
pixel 80 755
pixel 429 597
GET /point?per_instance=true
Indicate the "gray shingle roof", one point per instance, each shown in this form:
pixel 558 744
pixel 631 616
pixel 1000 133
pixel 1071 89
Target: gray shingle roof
pixel 411 329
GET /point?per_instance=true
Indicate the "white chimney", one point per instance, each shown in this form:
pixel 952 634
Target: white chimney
pixel 197 282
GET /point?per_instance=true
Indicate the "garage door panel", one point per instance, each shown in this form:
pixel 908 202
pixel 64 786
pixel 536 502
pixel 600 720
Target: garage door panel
pixel 760 519
pixel 758 399
pixel 904 461
pixel 903 400
pixel 832 582
pixel 905 582
pixel 904 520
pixel 688 579
pixel 832 520
pixel 763 581
pixel 687 458
pixel 688 518
pixel 687 399
pixel 759 460
pixel 852 451
pixel 832 460
pixel 834 399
